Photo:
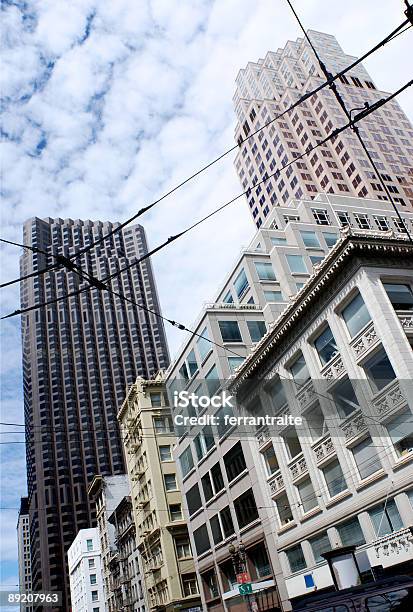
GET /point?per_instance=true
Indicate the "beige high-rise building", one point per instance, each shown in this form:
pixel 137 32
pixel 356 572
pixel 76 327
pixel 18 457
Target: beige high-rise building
pixel 161 530
pixel 267 87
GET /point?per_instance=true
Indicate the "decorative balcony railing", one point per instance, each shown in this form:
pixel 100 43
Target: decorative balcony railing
pixel 306 395
pixel 334 369
pixel 276 483
pixel 392 549
pixel 406 320
pixel 298 468
pixel 323 449
pixel 388 401
pixel 353 426
pixel 231 306
pixel 365 340
pixel 262 436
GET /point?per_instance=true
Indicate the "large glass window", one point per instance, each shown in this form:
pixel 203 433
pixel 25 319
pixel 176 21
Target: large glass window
pixel 400 296
pixel 400 430
pixel 204 441
pixel 212 380
pixel 385 518
pixel 230 331
pixel 216 529
pixel 307 495
pixel 234 461
pixel 192 363
pixel 316 422
pixel 273 296
pixel 193 499
pixel 299 370
pixel 366 458
pixel 325 345
pixel 344 398
pixel 310 239
pixel 226 522
pixel 285 514
pixel 319 545
pixel 241 283
pixel 379 370
pixel 259 559
pixel 296 558
pixel 277 395
pixel 270 460
pixel 334 477
pixel 257 330
pixel 170 482
pixel 246 509
pixel 223 426
pixel 350 533
pixel 292 442
pixel 204 346
pixel 201 539
pixel 265 270
pixel 296 264
pixel 330 239
pixel 212 482
pixel 235 362
pixel 356 315
pixel 186 461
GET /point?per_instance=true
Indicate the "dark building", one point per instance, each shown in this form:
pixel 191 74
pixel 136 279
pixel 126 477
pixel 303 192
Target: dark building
pixel 80 355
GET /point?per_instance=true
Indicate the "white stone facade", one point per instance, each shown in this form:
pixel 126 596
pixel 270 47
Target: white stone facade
pixel 85 572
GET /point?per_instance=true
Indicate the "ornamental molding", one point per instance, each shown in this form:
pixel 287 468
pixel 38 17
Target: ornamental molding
pixel 390 400
pixel 354 426
pixel 364 341
pixel 276 484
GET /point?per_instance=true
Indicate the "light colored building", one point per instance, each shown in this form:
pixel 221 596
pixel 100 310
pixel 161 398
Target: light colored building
pixel 85 572
pixel 340 357
pixel 107 492
pixel 23 550
pixel 161 530
pixel 218 466
pixel 126 566
pixel 264 89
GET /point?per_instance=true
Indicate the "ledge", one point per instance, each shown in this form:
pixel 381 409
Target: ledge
pixel 402 461
pixel 310 514
pixel 286 527
pixel 368 481
pixel 338 498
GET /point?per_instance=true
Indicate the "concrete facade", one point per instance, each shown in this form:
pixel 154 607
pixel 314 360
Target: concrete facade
pixel 169 577
pixel 229 470
pixel 79 355
pixel 267 87
pixel 23 551
pixel 85 572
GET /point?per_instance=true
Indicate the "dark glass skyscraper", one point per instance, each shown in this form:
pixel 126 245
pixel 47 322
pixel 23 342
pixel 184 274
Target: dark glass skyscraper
pixel 80 355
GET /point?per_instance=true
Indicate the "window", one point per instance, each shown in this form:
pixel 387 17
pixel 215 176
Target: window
pixel 307 495
pixel 234 461
pixel 316 259
pixel 320 216
pixel 230 331
pixel 400 430
pixel 228 299
pixel 355 315
pixel 156 400
pixel 344 218
pixel 330 239
pixel 89 544
pixel 316 422
pixel 212 482
pixel 193 500
pixel 385 518
pixel 95 609
pixel 95 596
pixel 241 283
pixel 283 509
pixel 310 239
pixel 344 398
pixel 192 364
pixel 292 443
pixel 362 221
pixel 210 585
pixel 296 558
pixel 382 223
pixel 299 370
pixel 350 533
pixel 183 549
pixel 165 453
pixel 400 296
pixel 277 394
pixel 235 362
pixel 270 460
pixel 222 426
pixel 390 601
pixel 273 296
pixel 334 477
pixel 246 509
pixel 175 512
pixel 296 264
pixel 190 585
pixel 257 330
pixel 201 540
pixel 204 346
pixel 162 424
pixel 186 461
pixel 91 563
pixel 264 270
pixel 216 529
pixel 226 522
pixel 365 456
pixel 319 545
pixel 259 559
pixel 379 370
pixel 170 482
pixel 92 578
pixel 277 241
pixel 204 441
pixel 212 380
pixel 326 346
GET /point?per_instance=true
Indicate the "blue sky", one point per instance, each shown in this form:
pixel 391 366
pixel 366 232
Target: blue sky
pixel 107 104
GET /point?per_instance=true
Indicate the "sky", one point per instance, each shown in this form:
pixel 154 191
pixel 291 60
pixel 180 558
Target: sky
pixel 107 105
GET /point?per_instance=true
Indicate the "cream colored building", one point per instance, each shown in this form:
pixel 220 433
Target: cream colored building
pixel 161 531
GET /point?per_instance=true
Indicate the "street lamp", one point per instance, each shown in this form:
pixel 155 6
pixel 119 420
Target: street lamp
pixel 239 562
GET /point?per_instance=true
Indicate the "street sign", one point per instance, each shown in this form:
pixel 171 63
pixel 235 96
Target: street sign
pixel 245 589
pixel 243 577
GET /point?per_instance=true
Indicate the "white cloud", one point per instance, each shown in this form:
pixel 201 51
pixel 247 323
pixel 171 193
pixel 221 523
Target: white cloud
pixel 108 104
